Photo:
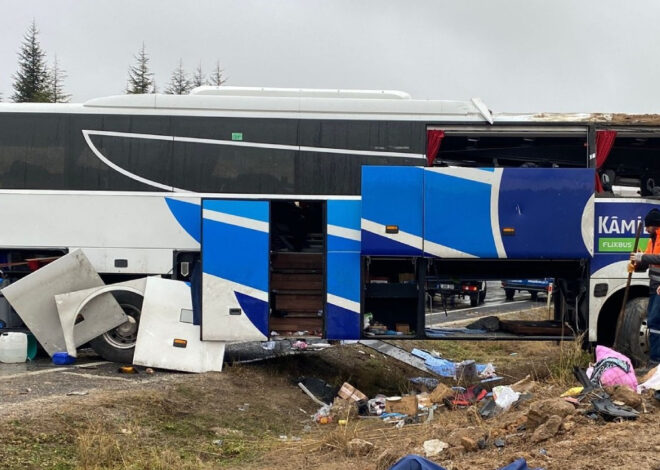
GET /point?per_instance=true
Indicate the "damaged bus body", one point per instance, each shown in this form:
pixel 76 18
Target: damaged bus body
pixel 319 211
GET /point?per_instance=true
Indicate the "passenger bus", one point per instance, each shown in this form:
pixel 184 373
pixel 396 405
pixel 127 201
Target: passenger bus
pixel 318 186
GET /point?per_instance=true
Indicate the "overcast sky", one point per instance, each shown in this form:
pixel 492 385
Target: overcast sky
pixel 517 55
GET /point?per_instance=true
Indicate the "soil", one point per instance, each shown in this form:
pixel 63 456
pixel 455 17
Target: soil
pixel 260 410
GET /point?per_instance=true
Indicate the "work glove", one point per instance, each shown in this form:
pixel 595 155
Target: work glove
pixel 636 257
pixel 630 268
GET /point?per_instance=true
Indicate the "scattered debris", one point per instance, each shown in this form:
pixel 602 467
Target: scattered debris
pixel 505 396
pixel 348 392
pixel 77 393
pixel 612 368
pixel 434 447
pixel 572 392
pixel 317 389
pixel 650 381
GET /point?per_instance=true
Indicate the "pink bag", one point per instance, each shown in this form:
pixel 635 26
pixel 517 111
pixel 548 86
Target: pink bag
pixel 615 375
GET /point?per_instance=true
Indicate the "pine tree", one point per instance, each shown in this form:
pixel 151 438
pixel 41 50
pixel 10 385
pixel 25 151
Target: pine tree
pixel 179 84
pixel 140 79
pixel 31 81
pixel 217 78
pixel 198 77
pixel 57 76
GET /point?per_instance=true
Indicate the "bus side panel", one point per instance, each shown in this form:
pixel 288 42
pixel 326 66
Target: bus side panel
pixel 343 270
pixel 457 212
pixel 235 260
pixel 551 211
pixel 518 213
pixel 392 197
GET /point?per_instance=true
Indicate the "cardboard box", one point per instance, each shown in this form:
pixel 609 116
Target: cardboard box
pixel 348 392
pixel 402 328
pixel 406 405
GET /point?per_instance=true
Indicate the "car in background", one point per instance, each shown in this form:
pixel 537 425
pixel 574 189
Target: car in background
pixel 533 286
pixel 474 290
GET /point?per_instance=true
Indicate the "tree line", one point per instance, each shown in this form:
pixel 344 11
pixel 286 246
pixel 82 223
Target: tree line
pixel 37 82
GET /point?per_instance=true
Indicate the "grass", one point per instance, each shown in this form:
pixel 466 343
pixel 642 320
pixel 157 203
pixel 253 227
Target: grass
pixel 174 427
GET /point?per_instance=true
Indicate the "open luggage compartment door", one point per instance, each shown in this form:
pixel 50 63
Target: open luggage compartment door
pixel 343 269
pixel 235 263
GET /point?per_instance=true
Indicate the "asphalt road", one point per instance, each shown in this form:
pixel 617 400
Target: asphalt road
pixel 494 304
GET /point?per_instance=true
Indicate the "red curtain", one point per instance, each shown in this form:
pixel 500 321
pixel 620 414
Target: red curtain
pixel 604 143
pixel 433 140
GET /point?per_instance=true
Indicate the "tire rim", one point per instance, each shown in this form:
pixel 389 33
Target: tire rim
pixel 644 336
pixel 125 335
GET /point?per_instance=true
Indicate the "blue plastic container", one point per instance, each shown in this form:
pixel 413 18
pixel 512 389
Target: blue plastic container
pixel 63 359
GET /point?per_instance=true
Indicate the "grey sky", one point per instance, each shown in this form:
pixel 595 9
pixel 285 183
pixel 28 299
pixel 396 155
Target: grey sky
pixel 517 55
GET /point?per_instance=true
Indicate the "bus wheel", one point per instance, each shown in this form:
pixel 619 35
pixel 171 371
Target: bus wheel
pixel 118 344
pixel 535 296
pixel 509 293
pixel 634 334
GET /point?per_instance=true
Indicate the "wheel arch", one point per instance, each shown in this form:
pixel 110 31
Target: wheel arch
pixel 611 309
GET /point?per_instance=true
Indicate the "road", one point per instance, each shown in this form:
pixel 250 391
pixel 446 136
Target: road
pixel 494 304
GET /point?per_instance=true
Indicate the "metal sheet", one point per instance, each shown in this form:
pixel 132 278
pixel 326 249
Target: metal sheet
pixel 33 297
pixel 98 308
pixel 161 325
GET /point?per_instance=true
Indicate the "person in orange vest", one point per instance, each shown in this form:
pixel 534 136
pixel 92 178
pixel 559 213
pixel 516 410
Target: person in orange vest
pixel 650 260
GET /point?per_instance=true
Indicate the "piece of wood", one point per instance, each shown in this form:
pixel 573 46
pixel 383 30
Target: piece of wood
pixel 287 324
pixel 283 260
pixel 298 302
pixel 619 320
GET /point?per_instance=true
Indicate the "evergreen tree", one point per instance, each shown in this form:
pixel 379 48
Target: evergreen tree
pixel 31 81
pixel 198 77
pixel 217 78
pixel 57 76
pixel 179 84
pixel 140 79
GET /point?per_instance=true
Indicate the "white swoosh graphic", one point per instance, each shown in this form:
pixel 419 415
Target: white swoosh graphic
pixel 87 133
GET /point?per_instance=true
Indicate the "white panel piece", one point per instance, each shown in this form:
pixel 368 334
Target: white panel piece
pixel 161 329
pixel 98 308
pixel 218 302
pixel 33 297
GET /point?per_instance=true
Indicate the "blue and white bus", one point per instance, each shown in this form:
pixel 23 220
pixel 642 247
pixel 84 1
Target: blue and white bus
pixel 312 210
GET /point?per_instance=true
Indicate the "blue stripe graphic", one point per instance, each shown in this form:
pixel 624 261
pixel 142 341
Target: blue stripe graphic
pixel 344 213
pixel 457 214
pixel 235 253
pixel 187 214
pixel 341 323
pixel 373 244
pixel 393 196
pixel 256 310
pixel 342 244
pixel 257 210
pixel 344 275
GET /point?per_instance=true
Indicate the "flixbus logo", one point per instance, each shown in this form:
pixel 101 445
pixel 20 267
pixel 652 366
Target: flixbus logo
pixel 612 224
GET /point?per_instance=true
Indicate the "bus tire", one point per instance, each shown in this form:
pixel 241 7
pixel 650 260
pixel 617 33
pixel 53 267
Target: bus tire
pixel 474 300
pixel 633 337
pixel 509 293
pixel 535 295
pixel 118 344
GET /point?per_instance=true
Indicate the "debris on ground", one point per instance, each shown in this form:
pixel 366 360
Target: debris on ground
pixel 433 447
